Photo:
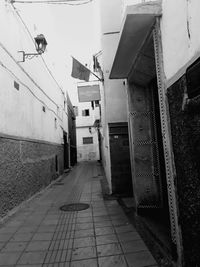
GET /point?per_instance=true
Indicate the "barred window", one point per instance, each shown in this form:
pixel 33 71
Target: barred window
pixel 86 112
pixel 87 140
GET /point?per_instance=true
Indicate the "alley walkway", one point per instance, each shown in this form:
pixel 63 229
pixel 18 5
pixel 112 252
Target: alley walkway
pixel 40 234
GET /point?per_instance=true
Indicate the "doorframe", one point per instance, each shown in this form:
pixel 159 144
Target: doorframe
pixel 167 143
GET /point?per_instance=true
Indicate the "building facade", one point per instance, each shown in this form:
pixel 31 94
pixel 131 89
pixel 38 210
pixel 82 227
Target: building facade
pixel 114 134
pixel 158 55
pixel 87 130
pixel 34 115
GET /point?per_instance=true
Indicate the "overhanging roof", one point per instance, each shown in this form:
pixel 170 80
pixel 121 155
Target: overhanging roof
pixel 138 22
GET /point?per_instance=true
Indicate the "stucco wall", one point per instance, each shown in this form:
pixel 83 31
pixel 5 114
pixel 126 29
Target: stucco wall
pixel 26 167
pixel 180 36
pixel 115 104
pixel 21 112
pixel 87 151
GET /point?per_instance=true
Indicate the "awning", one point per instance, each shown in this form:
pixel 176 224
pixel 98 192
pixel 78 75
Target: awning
pixel 137 25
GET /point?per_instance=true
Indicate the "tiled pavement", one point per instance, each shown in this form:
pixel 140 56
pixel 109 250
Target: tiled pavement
pixel 40 234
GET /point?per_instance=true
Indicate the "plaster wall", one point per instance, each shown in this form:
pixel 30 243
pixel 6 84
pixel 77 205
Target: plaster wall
pixel 87 120
pixel 114 107
pixel 21 111
pixel 180 36
pixel 87 152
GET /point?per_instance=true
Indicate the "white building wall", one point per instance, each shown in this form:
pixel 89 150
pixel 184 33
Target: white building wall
pixel 21 111
pixel 115 103
pixel 180 36
pixel 87 152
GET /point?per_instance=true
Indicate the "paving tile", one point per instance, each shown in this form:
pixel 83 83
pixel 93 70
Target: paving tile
pixel 61 244
pixel 46 229
pixel 106 239
pixel 32 265
pixel 14 246
pixel 112 261
pixel 8 230
pixel 14 223
pixel 101 218
pixel 85 263
pixel 84 233
pixel 82 226
pixel 84 220
pixel 9 258
pixel 20 237
pixel 109 249
pixel 49 222
pixel 103 224
pixel 84 215
pixel 32 258
pixel 99 213
pixel 56 256
pixel 49 237
pixel 27 229
pixel 125 228
pixel 140 259
pixel 83 253
pixel 133 246
pixel 43 236
pixel 128 236
pixel 5 237
pixel 104 231
pixel 84 242
pixel 120 222
pixel 38 245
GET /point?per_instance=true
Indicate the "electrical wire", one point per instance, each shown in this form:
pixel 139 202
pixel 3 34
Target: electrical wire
pixel 29 33
pixel 26 86
pixel 59 2
pixel 3 47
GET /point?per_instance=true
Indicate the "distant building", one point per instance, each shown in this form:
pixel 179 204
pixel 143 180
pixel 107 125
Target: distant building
pixel 87 129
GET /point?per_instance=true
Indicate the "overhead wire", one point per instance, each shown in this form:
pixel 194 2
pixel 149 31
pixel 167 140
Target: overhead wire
pixel 58 2
pixel 26 86
pixel 29 33
pixel 34 82
pixel 49 71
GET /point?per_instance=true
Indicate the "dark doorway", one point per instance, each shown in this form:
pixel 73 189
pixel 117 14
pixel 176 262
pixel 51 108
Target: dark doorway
pixel 120 159
pixel 66 156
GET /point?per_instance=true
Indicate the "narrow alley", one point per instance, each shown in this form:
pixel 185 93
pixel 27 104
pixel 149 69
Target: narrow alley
pixel 39 233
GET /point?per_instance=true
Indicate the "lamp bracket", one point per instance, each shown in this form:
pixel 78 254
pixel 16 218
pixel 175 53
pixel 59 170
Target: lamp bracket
pixel 28 55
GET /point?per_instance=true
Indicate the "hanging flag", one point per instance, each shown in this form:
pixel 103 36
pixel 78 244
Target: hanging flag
pixel 79 71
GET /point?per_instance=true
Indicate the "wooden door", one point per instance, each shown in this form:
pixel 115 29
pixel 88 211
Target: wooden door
pixel 145 157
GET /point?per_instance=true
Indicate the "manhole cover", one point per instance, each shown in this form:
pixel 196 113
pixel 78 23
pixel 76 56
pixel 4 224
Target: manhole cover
pixel 74 207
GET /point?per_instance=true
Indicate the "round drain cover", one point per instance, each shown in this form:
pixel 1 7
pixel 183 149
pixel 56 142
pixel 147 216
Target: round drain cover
pixel 74 207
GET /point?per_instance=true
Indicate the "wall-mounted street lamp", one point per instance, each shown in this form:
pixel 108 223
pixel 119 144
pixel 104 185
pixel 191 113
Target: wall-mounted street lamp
pixel 40 45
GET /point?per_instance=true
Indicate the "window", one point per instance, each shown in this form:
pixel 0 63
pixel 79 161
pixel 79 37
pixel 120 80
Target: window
pixel 75 110
pixel 87 140
pixel 96 103
pixel 86 112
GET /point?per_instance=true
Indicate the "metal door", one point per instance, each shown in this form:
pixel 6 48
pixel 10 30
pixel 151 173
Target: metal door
pixel 145 165
pixel 120 159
